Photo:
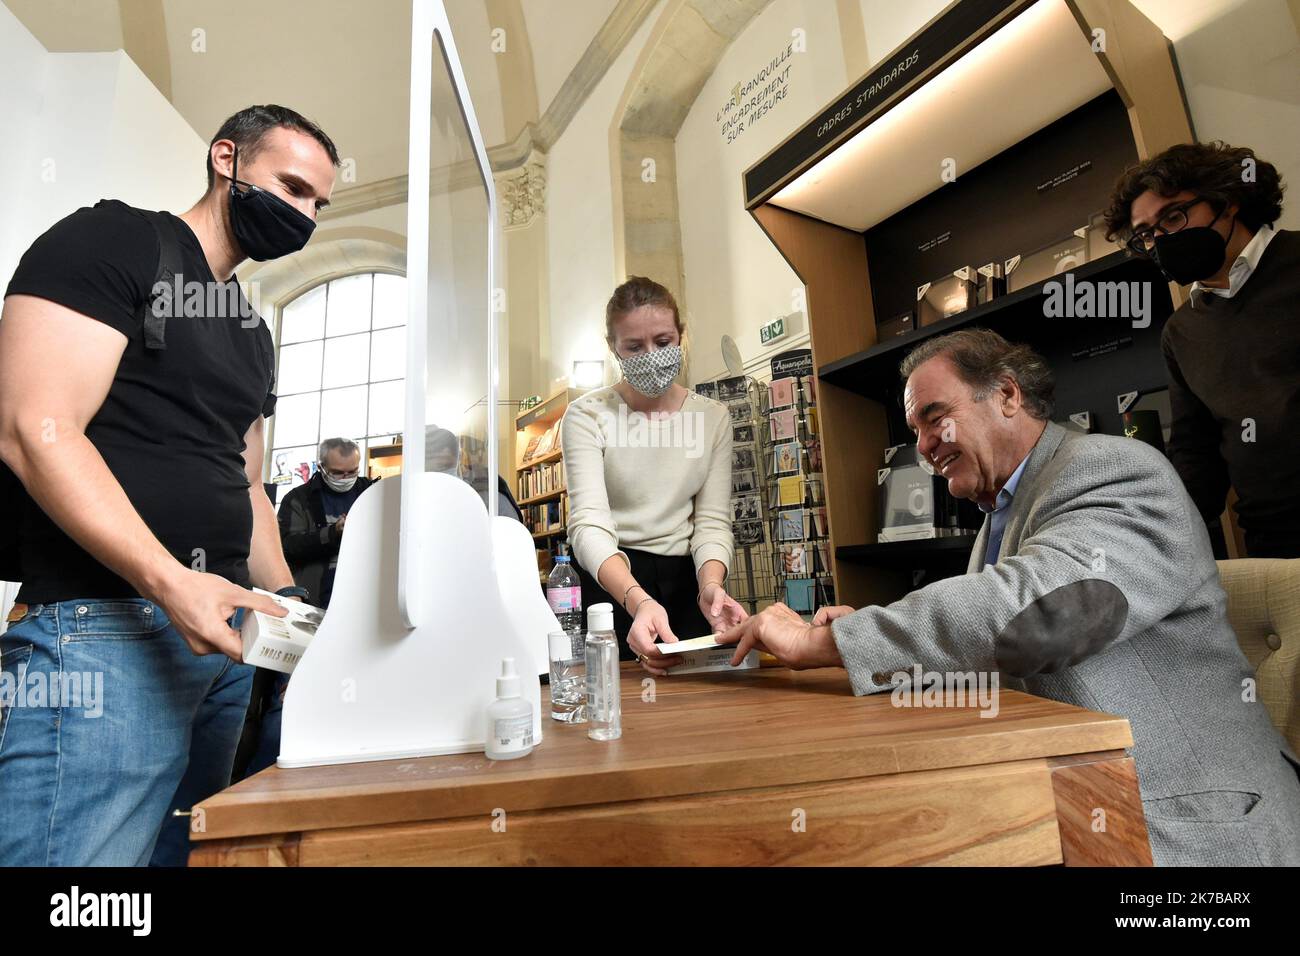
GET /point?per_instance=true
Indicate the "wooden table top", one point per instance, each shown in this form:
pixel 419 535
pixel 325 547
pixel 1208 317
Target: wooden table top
pixel 702 733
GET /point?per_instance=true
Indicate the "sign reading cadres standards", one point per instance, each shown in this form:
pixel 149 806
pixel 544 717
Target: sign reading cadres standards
pixel 947 36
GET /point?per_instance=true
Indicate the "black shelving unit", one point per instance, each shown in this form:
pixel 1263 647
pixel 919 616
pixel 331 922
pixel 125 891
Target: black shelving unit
pixel 1018 315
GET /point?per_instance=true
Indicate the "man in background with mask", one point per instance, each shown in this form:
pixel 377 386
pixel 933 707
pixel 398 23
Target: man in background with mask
pixel 1204 212
pixel 312 517
pixel 134 421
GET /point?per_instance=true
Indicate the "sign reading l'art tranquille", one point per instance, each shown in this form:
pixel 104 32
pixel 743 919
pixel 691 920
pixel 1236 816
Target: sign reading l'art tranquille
pixel 754 98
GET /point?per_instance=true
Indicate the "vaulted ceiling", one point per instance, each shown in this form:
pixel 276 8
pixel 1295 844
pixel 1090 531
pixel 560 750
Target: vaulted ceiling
pixel 346 63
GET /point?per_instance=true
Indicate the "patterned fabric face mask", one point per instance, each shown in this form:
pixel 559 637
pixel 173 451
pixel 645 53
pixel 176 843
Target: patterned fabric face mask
pixel 652 373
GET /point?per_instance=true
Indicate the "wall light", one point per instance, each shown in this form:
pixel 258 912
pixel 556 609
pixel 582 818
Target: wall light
pixel 588 373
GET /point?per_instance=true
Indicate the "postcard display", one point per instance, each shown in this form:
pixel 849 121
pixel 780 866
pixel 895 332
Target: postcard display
pixel 433 587
pixel 751 581
pixel 796 496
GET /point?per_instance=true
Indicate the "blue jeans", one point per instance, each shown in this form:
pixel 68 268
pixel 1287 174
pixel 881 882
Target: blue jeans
pixel 268 737
pixel 108 722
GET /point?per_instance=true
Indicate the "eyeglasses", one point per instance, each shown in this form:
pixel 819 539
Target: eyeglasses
pixel 340 475
pixel 1171 220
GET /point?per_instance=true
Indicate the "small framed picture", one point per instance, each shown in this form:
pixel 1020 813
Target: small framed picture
pixel 746 534
pixel 740 413
pixel 742 459
pixel 746 508
pixel 742 435
pixel 743 482
pixel 815 455
pixel 793 559
pixel 787 458
pixel 783 425
pixel 730 389
pixel 781 392
pixel 790 525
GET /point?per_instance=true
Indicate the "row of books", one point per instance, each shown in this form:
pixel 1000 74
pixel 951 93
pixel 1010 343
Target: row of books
pixel 547 516
pixel 543 444
pixel 541 480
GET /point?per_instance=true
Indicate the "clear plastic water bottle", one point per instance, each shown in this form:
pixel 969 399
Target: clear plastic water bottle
pixel 604 707
pixel 564 594
pixel 568 677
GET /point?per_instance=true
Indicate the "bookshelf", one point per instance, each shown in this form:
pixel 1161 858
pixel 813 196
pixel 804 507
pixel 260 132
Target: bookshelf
pixel 539 474
pixel 384 461
pixel 1036 104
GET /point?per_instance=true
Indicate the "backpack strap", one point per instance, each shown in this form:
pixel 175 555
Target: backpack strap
pixel 161 301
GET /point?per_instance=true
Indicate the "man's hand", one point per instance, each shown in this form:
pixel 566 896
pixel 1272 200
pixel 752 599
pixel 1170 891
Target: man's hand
pixel 783 634
pixel 825 615
pixel 199 606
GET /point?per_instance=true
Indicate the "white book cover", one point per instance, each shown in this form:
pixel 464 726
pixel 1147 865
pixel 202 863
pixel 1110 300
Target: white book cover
pixel 278 643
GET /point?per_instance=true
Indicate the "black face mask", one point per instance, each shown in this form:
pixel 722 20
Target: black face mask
pixel 265 226
pixel 1191 254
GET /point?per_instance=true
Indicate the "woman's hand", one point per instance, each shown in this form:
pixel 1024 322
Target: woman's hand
pixel 719 608
pixel 651 621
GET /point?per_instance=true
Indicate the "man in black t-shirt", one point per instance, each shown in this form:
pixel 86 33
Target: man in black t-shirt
pixel 135 423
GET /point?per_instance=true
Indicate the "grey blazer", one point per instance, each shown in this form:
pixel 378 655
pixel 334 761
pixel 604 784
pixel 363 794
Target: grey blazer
pixel 1105 594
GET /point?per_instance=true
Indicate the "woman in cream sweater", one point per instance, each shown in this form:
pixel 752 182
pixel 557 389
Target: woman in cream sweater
pixel 648 468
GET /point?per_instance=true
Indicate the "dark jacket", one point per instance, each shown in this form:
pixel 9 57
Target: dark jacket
pixel 309 542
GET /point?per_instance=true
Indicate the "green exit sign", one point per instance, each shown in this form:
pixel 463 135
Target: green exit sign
pixel 772 331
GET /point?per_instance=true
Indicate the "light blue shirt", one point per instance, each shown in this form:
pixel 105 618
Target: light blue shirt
pixel 999 512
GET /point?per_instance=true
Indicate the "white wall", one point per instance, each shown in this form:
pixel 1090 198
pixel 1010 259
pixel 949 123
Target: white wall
pixel 888 23
pixel 580 218
pixel 1240 65
pixel 736 281
pixel 80 127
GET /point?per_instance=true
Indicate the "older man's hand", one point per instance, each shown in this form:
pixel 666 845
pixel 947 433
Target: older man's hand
pixel 784 634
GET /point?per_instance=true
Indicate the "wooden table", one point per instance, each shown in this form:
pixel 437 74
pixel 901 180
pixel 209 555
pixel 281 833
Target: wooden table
pixel 747 768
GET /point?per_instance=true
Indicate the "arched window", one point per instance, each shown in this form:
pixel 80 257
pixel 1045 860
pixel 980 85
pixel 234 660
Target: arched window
pixel 340 372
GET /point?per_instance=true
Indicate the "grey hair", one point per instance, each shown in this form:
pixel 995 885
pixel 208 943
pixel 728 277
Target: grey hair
pixel 983 359
pixel 344 445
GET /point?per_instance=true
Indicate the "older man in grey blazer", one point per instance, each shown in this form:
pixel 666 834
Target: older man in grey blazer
pixel 1093 583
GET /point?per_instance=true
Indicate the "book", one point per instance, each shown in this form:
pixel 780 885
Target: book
pixel 691 644
pixel 703 654
pixel 278 643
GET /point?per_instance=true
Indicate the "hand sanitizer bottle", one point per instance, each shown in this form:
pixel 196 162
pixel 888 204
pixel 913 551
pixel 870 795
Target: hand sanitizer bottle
pixel 604 706
pixel 568 683
pixel 509 718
